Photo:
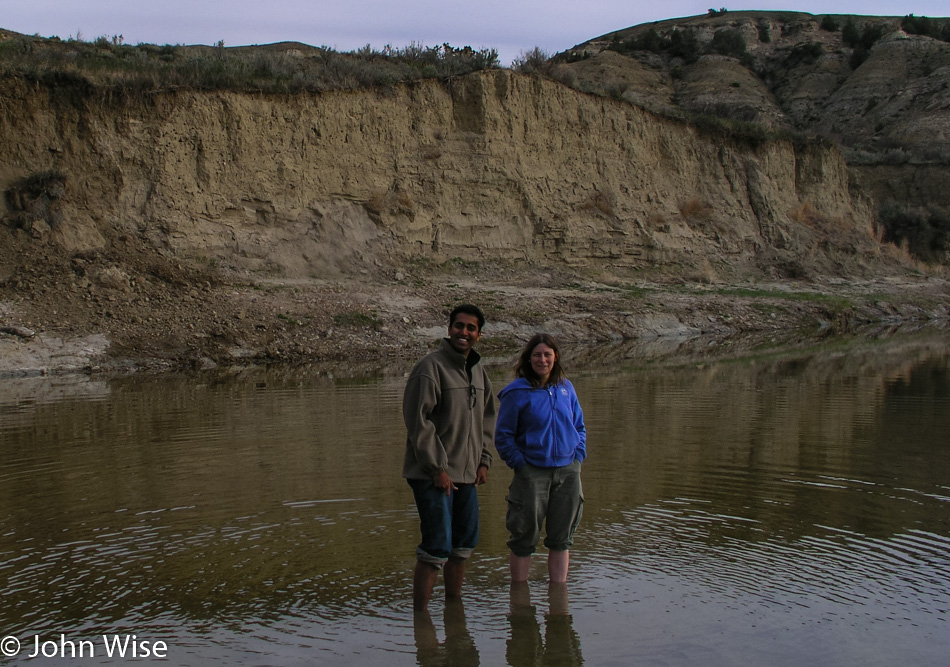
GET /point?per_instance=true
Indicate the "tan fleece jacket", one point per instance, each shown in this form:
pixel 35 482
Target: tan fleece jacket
pixel 446 428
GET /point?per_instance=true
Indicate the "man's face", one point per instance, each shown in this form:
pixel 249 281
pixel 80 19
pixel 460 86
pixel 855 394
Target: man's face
pixel 464 332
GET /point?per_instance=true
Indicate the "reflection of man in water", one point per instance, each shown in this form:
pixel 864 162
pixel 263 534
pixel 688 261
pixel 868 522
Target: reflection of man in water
pixel 560 646
pixel 449 410
pixel 458 649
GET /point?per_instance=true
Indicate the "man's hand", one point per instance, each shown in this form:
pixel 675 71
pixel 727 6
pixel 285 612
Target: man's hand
pixel 481 475
pixel 443 482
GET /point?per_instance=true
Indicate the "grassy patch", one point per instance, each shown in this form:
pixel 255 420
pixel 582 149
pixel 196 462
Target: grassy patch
pixel 635 291
pixel 115 66
pixel 695 209
pixel 290 319
pixel 626 291
pixel 833 301
pixel 531 317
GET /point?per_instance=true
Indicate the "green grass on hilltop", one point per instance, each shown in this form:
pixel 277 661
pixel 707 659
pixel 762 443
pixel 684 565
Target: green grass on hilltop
pixel 278 68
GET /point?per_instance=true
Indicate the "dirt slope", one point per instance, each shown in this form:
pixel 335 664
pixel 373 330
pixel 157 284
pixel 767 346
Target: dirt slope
pixel 184 227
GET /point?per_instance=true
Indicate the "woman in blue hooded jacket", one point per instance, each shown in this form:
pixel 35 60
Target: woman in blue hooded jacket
pixel 540 434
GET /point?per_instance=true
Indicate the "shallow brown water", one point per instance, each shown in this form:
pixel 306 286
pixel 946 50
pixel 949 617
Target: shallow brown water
pixel 784 510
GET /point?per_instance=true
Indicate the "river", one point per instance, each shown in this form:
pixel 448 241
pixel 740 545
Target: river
pixel 785 508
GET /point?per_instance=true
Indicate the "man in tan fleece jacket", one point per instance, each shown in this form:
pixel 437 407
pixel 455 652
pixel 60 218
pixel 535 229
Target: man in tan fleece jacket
pixel 449 410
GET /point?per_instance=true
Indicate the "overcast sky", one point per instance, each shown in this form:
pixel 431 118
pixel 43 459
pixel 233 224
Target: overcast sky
pixel 511 26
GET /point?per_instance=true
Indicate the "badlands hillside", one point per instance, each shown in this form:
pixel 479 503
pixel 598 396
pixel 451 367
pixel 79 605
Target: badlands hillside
pixel 618 191
pixel 878 88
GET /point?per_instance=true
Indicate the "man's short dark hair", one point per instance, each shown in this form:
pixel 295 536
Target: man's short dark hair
pixel 468 309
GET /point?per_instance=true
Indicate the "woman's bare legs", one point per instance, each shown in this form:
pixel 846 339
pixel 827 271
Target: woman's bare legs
pixel 558 562
pixel 519 565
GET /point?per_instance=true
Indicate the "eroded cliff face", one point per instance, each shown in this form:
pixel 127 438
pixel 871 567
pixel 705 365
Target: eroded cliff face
pixel 887 99
pixel 493 166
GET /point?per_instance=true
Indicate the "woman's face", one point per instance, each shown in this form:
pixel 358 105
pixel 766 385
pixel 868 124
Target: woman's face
pixel 542 361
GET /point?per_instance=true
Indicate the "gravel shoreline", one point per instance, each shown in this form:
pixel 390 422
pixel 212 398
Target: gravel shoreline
pixel 203 322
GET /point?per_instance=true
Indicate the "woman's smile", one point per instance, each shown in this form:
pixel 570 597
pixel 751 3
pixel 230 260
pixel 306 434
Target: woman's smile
pixel 542 361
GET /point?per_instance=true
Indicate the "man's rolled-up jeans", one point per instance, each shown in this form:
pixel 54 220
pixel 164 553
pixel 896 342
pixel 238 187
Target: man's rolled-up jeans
pixel 449 523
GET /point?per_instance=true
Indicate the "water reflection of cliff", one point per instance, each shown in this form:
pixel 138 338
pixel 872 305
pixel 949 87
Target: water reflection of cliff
pixel 726 430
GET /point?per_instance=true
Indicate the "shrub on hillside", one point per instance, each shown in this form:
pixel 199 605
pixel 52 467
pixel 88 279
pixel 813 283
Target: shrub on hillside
pixel 861 41
pixel 651 41
pixel 921 25
pixel 850 34
pixel 806 53
pixel 695 208
pixel 924 231
pixel 537 60
pixel 728 42
pixel 34 198
pixel 684 44
pixel 112 64
pixel 675 44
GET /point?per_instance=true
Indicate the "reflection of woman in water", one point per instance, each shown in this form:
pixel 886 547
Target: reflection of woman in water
pixel 540 434
pixel 560 644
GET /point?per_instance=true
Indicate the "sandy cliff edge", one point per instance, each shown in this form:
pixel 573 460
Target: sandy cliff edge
pixel 227 228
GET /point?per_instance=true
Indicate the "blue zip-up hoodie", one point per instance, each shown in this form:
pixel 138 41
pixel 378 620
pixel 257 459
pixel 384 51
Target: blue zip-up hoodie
pixel 543 426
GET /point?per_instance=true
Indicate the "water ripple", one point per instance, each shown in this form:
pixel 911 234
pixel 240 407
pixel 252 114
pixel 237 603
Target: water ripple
pixel 833 565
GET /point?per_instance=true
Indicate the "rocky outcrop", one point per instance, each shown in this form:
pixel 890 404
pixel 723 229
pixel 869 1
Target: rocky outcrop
pixel 862 82
pixel 492 166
